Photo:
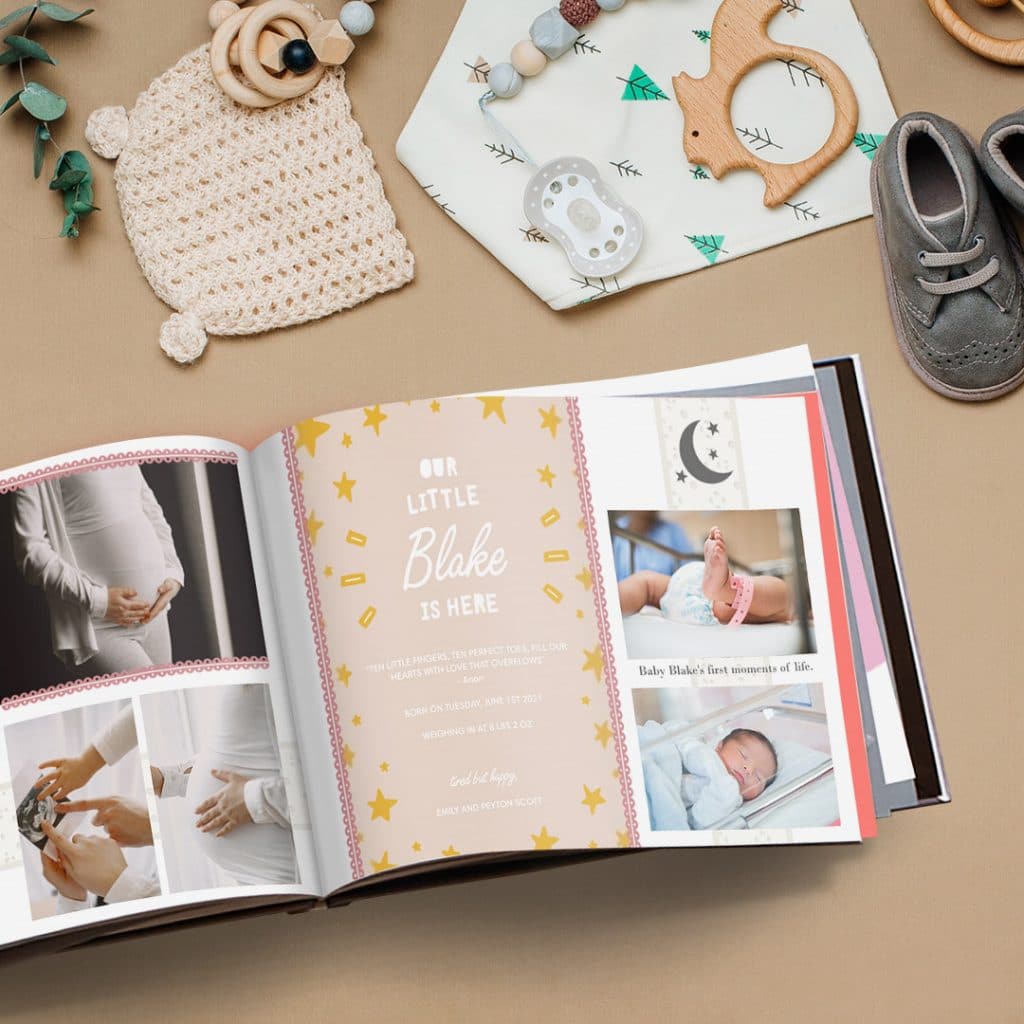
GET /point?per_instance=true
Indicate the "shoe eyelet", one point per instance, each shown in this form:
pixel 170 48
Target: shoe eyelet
pixel 920 257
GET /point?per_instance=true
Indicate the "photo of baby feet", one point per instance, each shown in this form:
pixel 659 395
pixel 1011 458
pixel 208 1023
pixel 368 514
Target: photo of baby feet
pixel 715 585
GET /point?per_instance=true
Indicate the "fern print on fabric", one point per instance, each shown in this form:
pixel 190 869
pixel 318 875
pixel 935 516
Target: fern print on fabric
pixel 703 34
pixel 626 169
pixel 709 246
pixel 867 143
pixel 640 86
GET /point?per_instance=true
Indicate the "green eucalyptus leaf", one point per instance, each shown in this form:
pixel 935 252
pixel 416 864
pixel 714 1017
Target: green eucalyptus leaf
pixel 67 180
pixel 9 57
pixel 82 207
pixel 28 48
pixel 39 148
pixel 57 13
pixel 41 103
pixel 74 160
pixel 14 16
pixel 70 229
pixel 10 102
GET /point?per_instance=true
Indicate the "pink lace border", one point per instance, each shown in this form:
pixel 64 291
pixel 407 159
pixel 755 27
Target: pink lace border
pixel 114 459
pixel 119 679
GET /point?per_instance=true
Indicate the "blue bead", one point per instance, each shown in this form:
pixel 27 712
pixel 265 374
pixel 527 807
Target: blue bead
pixel 298 56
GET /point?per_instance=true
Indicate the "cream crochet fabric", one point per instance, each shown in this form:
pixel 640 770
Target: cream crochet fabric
pixel 247 220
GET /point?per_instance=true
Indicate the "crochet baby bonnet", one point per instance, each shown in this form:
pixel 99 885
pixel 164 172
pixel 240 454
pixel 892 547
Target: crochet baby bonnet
pixel 244 220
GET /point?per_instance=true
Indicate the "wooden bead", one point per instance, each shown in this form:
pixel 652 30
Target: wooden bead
pixel 331 43
pixel 527 59
pixel 220 11
pixel 268 49
pixel 289 85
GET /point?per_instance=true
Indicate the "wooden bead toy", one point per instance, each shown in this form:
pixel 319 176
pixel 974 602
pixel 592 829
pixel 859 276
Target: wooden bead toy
pixel 527 59
pixel 220 11
pixel 331 43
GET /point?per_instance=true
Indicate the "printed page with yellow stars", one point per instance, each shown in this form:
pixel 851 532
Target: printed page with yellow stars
pixel 466 668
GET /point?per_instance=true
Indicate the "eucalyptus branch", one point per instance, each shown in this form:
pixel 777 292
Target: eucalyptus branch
pixel 72 175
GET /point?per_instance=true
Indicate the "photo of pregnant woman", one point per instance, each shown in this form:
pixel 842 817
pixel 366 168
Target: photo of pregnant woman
pixel 703 584
pixel 224 809
pixel 126 568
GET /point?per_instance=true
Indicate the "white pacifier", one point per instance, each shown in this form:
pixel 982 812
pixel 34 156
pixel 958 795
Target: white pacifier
pixel 569 202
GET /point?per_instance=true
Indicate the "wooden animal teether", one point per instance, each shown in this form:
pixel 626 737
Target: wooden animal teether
pixel 1002 51
pixel 739 42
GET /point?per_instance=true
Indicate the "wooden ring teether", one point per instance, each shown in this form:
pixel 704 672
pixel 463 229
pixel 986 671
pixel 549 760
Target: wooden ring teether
pixel 1002 51
pixel 289 85
pixel 739 43
pixel 285 16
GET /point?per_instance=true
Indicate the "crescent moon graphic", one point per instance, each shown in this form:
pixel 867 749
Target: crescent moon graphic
pixel 692 464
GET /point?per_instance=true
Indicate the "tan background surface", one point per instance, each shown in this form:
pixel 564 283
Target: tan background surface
pixel 921 924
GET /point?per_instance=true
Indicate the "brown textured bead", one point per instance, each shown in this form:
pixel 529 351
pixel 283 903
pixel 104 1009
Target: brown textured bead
pixel 579 12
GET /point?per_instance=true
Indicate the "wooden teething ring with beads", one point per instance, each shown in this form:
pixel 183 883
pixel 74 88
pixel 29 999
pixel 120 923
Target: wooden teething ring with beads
pixel 247 24
pixel 1002 51
pixel 739 43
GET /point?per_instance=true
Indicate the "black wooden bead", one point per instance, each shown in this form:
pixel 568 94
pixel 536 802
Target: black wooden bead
pixel 298 56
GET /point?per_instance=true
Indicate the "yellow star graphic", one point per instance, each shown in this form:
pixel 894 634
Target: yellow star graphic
pixel 549 420
pixel 307 432
pixel 546 476
pixel 381 806
pixel 357 720
pixel 435 406
pixel 328 570
pixel 603 733
pixel 313 527
pixel 592 844
pixel 360 837
pixel 585 577
pixel 384 766
pixel 584 700
pixel 592 798
pixel 594 662
pixel 450 852
pixel 348 755
pixel 345 486
pixel 383 864
pixel 615 773
pixel 493 404
pixel 344 674
pixel 417 846
pixel 622 838
pixel 346 440
pixel 543 840
pixel 579 613
pixel 374 418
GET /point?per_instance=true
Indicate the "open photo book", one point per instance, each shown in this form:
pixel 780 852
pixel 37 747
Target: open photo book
pixel 431 640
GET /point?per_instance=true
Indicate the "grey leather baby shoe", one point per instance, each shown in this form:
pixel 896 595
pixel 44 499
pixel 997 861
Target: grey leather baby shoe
pixel 1002 157
pixel 952 262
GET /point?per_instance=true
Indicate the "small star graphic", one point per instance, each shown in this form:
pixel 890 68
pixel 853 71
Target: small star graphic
pixel 681 477
pixel 384 766
pixel 307 433
pixel 615 773
pixel 543 840
pixel 359 837
pixel 383 864
pixel 450 852
pixel 585 577
pixel 622 838
pixel 584 700
pixel 592 844
pixel 549 420
pixel 579 613
pixel 348 755
pixel 594 662
pixel 546 476
pixel 603 733
pixel 493 404
pixel 712 429
pixel 313 526
pixel 346 440
pixel 345 486
pixel 417 846
pixel 381 806
pixel 357 720
pixel 328 570
pixel 713 454
pixel 374 418
pixel 592 798
pixel 344 674
pixel 435 406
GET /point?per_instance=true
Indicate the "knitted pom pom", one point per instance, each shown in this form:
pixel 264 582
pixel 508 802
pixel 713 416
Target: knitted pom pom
pixel 579 12
pixel 107 131
pixel 183 337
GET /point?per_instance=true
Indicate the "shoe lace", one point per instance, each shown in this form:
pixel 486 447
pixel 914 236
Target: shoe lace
pixel 958 259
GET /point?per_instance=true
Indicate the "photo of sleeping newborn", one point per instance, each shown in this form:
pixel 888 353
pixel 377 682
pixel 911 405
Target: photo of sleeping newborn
pixel 712 584
pixel 736 757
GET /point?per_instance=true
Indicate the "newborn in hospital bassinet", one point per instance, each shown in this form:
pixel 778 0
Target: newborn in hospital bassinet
pixel 693 785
